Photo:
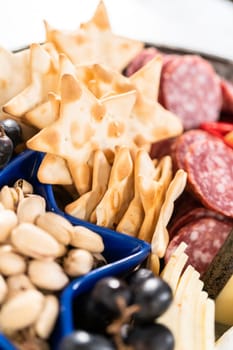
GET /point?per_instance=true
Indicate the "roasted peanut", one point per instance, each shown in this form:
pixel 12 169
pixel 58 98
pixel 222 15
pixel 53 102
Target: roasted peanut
pixel 86 239
pixel 8 197
pixel 34 242
pixel 12 264
pixel 21 311
pixel 56 225
pixel 47 275
pixel 78 262
pixel 8 220
pixel 3 289
pixel 46 321
pixel 17 284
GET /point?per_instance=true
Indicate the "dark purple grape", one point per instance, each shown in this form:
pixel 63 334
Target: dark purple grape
pixel 153 296
pixel 81 340
pixel 97 311
pixel 13 130
pixel 151 337
pixel 139 276
pixel 6 148
pixel 107 293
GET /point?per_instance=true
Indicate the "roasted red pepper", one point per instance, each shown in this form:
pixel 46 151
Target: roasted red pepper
pixel 222 130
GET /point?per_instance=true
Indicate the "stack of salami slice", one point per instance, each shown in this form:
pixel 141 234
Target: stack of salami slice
pixel 203 215
pixel 189 87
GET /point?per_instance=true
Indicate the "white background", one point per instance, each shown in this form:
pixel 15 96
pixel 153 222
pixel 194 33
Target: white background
pixel 205 25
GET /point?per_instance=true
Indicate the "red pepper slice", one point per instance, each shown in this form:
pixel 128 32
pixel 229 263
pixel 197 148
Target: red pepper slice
pixel 220 130
pixel 216 128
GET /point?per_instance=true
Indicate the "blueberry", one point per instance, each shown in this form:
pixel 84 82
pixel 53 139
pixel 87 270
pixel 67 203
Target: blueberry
pixel 6 148
pixel 13 130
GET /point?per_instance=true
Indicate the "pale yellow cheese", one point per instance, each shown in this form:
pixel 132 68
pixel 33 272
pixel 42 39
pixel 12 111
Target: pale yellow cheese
pixel 224 304
pixel 226 341
pixel 191 314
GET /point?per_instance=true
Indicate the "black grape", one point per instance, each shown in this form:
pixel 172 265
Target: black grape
pixel 151 337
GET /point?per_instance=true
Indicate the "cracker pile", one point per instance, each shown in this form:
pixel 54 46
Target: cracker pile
pixel 96 126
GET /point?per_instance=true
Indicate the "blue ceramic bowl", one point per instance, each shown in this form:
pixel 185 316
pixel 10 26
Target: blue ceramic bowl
pixel 122 252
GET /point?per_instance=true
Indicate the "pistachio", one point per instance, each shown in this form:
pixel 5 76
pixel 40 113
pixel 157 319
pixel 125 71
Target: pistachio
pixel 20 195
pixel 8 197
pixel 21 311
pixel 48 316
pixel 47 275
pixel 78 262
pixel 3 289
pixel 99 260
pixel 29 208
pixel 87 239
pixel 6 248
pixel 12 264
pixel 8 220
pixel 56 225
pixel 62 250
pixel 34 242
pixel 30 343
pixel 25 186
pixel 17 284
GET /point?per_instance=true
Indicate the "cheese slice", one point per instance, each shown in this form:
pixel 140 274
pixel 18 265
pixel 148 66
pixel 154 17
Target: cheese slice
pixel 225 342
pixel 223 304
pixel 191 315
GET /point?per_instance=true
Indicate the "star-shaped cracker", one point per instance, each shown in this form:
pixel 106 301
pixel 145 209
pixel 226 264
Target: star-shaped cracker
pixel 148 122
pixel 94 42
pixel 13 65
pixel 43 77
pixel 84 125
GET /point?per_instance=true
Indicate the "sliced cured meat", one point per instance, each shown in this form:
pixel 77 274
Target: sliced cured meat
pixel 192 215
pixel 141 59
pixel 190 88
pixel 162 148
pixel 227 95
pixel 209 164
pixel 203 237
pixel 183 142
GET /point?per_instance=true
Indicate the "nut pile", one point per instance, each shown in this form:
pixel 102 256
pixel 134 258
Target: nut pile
pixel 40 251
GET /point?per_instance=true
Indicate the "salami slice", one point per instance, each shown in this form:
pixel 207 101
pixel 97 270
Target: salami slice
pixel 204 237
pixel 141 59
pixel 162 148
pixel 227 95
pixel 190 88
pixel 192 215
pixel 209 165
pixel 183 142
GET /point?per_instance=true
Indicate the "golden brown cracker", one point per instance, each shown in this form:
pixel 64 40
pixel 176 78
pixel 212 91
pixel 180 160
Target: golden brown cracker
pixel 85 204
pixel 160 237
pixel 94 42
pixel 152 193
pixel 120 190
